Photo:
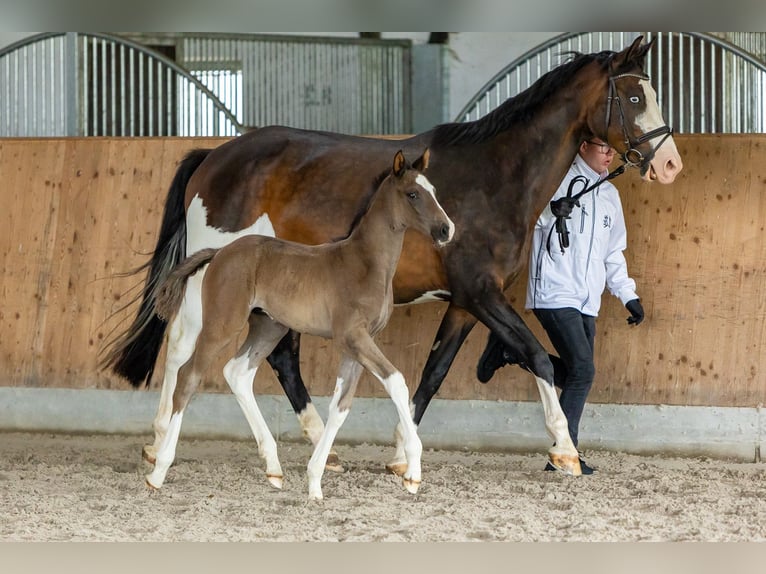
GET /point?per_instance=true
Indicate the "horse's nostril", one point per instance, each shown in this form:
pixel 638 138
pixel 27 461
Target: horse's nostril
pixel 444 231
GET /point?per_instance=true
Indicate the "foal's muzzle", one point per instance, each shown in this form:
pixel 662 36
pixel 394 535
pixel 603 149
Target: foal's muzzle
pixel 443 232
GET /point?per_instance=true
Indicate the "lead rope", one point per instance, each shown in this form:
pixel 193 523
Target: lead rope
pixel 560 225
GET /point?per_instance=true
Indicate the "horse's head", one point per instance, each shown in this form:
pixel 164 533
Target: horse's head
pixel 633 120
pixel 420 208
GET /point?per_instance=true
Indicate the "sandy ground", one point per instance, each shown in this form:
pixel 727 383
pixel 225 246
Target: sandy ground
pixel 91 488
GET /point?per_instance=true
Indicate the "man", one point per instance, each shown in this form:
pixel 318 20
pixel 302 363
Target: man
pixel 565 283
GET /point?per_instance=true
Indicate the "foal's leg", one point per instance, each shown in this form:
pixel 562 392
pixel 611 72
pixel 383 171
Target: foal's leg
pixel 285 361
pixel 345 386
pixel 240 371
pixel 223 323
pixel 182 334
pixel 364 350
pixel 454 328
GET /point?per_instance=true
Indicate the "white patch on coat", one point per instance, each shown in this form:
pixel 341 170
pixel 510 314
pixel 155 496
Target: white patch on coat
pixel 199 235
pixel 651 118
pixel 423 182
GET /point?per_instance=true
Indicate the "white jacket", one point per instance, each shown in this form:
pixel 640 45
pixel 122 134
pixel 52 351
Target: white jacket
pixel 594 258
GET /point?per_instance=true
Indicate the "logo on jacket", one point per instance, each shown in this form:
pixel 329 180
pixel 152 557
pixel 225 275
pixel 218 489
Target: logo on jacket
pixel 607 221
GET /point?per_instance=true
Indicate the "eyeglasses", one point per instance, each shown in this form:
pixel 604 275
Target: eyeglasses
pixel 602 147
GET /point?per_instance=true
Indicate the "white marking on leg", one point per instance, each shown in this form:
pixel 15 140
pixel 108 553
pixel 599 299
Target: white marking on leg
pixel 398 465
pixel 311 423
pixel 166 452
pixel 413 447
pixel 240 375
pixel 555 420
pixel 182 337
pixel 316 465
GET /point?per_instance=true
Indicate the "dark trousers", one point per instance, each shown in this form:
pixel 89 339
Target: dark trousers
pixel 572 334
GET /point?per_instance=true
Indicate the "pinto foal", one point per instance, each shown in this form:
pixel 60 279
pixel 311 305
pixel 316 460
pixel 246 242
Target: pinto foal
pixel 340 290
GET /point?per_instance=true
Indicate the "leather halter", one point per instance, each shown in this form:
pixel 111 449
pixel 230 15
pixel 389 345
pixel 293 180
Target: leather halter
pixel 632 156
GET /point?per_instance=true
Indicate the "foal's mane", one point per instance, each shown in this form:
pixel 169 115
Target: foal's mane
pixel 367 202
pixel 519 108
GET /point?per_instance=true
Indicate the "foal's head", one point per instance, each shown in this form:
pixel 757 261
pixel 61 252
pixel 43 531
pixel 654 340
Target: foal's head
pixel 417 206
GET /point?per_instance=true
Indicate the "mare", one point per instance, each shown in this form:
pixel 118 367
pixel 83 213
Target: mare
pixel 296 184
pixel 339 290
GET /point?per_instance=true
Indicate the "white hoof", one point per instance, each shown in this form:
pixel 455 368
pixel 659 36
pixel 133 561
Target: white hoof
pixel 275 480
pixel 411 485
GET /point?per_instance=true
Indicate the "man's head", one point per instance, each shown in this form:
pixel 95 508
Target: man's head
pixel 597 154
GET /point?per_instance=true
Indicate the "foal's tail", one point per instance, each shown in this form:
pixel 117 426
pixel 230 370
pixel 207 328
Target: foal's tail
pixel 171 291
pixel 133 353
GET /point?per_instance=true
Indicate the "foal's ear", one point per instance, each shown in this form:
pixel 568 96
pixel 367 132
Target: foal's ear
pixel 421 164
pixel 400 165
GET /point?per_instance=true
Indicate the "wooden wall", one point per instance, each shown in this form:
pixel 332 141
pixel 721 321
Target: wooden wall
pixel 77 212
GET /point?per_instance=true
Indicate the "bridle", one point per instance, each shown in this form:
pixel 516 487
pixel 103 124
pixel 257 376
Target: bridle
pixel 632 156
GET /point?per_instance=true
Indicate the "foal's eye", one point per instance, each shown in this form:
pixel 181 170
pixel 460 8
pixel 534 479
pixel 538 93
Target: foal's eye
pixel 413 195
pixel 634 99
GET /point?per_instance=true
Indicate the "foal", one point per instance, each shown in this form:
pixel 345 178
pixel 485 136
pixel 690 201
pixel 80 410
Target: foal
pixel 339 291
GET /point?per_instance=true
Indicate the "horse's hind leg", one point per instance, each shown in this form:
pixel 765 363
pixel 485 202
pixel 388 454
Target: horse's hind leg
pixel 240 371
pixel 285 361
pixel 454 328
pixel 222 325
pixel 345 385
pixel 182 335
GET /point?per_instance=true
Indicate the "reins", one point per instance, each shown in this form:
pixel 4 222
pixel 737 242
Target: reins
pixel 561 225
pixel 632 157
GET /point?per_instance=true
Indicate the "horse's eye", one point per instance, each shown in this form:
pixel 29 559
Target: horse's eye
pixel 413 195
pixel 634 99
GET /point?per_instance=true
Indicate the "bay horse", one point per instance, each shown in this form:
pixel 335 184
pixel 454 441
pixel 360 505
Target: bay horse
pixel 339 290
pixel 295 184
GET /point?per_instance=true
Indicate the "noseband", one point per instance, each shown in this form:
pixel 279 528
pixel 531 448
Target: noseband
pixel 632 156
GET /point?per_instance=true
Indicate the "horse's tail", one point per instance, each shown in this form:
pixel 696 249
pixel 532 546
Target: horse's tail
pixel 133 353
pixel 171 290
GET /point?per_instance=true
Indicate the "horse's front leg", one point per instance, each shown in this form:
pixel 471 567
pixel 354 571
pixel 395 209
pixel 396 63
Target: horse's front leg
pixel 285 361
pixel 454 328
pixel 497 314
pixel 182 334
pixel 345 385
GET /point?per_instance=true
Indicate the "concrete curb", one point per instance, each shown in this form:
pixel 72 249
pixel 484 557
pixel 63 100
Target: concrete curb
pixel 720 432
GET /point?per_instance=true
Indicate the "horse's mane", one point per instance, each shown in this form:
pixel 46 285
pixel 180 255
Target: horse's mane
pixel 518 108
pixel 367 201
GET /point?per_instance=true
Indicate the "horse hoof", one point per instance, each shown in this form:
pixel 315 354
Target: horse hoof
pixel 397 468
pixel 148 454
pixel 411 485
pixel 275 480
pixel 315 495
pixel 151 487
pixel 566 463
pixel 333 463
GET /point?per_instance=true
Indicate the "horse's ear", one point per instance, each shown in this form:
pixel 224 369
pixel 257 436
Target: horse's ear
pixel 421 164
pixel 399 164
pixel 633 54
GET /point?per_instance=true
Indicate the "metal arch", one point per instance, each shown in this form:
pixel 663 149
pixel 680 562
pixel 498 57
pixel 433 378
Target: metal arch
pixel 151 56
pixel 482 103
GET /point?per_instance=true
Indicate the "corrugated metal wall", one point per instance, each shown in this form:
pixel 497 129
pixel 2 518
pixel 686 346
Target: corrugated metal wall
pixel 345 85
pixel 60 84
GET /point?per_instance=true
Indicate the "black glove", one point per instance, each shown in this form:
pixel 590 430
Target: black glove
pixel 563 206
pixel 636 311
